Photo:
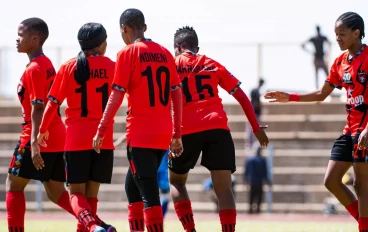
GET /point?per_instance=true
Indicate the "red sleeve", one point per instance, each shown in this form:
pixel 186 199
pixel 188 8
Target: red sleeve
pixel 244 102
pixel 175 82
pixel 48 115
pixel 123 69
pixel 112 107
pixel 59 87
pixel 333 77
pixel 177 112
pixel 37 83
pixel 227 81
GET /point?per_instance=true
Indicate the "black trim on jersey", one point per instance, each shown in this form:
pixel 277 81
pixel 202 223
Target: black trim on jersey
pixel 363 107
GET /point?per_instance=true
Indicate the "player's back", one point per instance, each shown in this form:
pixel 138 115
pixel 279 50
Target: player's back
pixel 201 76
pixel 146 71
pixel 86 103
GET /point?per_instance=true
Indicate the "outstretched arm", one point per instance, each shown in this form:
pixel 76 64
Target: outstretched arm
pixel 317 95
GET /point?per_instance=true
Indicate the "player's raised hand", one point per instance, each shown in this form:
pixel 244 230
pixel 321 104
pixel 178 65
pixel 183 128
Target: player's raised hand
pixel 262 138
pixel 41 139
pixel 363 140
pixel 176 147
pixel 277 96
pixel 97 143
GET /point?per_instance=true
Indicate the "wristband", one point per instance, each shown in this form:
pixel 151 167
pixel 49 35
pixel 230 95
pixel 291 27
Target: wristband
pixel 294 97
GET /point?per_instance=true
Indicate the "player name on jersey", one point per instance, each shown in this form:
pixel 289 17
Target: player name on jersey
pixel 98 73
pixel 152 57
pixel 195 69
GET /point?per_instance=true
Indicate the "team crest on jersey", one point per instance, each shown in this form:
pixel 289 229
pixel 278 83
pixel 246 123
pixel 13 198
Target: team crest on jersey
pixel 362 77
pixel 347 78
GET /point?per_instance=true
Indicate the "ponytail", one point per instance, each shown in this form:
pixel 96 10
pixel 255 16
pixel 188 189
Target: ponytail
pixel 82 73
pixel 90 35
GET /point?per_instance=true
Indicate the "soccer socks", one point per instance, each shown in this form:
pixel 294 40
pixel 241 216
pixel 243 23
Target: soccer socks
pixel 64 202
pixel 184 212
pixel 154 219
pixel 363 224
pixel 135 216
pixel 15 209
pixel 353 209
pixel 83 211
pixel 228 220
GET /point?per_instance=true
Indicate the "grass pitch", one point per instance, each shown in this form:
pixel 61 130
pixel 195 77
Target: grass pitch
pixel 62 225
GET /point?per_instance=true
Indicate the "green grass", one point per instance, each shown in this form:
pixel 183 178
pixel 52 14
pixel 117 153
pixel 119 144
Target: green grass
pixel 202 226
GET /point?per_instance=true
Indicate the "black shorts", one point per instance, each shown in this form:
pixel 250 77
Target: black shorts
pixel 345 149
pixel 82 166
pixel 217 147
pixel 144 162
pixel 21 165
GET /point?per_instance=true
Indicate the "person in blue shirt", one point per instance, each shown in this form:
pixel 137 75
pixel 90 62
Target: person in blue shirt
pixel 256 175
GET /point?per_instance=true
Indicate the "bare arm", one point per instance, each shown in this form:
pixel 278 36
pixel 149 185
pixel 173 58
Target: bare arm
pixel 317 95
pixel 36 117
pixel 37 113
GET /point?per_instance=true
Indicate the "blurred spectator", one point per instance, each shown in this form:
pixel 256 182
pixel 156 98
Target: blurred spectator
pixel 256 175
pixel 318 42
pixel 208 187
pixel 255 98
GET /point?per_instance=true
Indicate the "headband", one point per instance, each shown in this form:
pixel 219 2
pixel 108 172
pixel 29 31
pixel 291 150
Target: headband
pixel 95 42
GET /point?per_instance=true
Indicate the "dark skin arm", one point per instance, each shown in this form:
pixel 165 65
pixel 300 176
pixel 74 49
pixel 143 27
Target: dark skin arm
pixel 317 95
pixel 36 116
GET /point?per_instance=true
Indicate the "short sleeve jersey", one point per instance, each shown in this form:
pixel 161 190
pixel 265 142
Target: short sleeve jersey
pixel 146 72
pixel 201 76
pixel 85 103
pixel 352 75
pixel 32 89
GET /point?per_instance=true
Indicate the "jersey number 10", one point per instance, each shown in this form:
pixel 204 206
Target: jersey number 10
pixel 164 91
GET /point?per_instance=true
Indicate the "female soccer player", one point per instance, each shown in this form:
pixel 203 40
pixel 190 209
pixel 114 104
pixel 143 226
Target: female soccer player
pixel 349 71
pixel 29 161
pixel 205 129
pixel 85 83
pixel 146 72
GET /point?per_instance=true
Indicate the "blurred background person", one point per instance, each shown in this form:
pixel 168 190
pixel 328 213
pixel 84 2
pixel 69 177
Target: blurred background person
pixel 255 176
pixel 318 42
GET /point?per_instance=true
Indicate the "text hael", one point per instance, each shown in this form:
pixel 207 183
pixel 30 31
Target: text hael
pixel 98 73
pixel 152 57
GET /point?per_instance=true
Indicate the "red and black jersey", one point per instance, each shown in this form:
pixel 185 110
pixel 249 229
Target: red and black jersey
pixel 351 74
pixel 201 76
pixel 33 87
pixel 146 72
pixel 85 103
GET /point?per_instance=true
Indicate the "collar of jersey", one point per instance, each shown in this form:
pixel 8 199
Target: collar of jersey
pixel 189 52
pixel 140 40
pixel 358 53
pixel 38 55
